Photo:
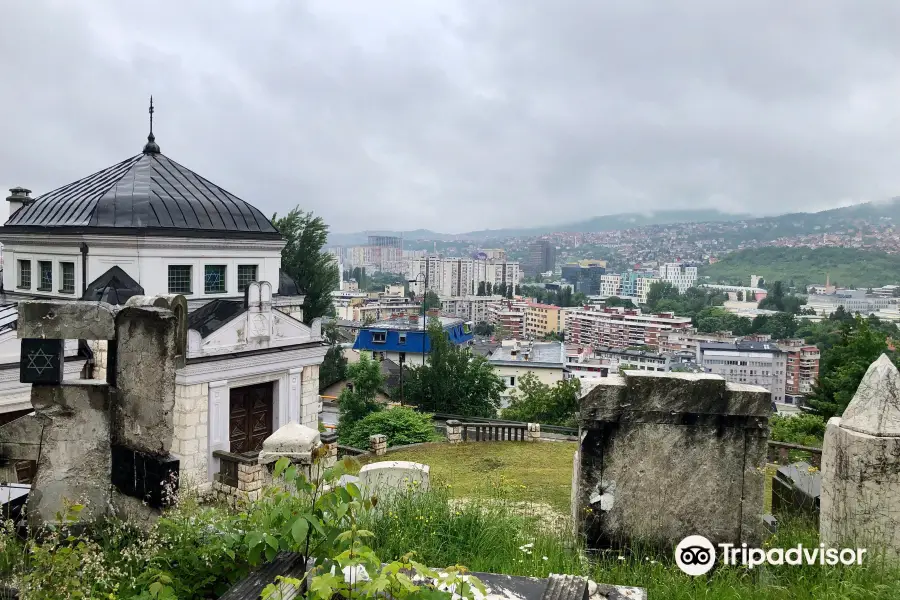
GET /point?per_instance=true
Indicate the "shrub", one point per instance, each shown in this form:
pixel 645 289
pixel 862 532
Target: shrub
pixel 401 425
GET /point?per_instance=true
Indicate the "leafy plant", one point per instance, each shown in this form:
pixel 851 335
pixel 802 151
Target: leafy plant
pixel 401 425
pixel 536 402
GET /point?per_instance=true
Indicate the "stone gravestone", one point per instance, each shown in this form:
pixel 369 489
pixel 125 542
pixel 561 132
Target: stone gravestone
pixel 665 456
pixel 393 476
pixel 860 502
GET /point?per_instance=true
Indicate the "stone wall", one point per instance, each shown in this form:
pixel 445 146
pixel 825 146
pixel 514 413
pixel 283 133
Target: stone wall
pixel 664 456
pixel 100 348
pixel 191 432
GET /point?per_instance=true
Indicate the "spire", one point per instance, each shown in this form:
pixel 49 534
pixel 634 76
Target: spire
pixel 151 147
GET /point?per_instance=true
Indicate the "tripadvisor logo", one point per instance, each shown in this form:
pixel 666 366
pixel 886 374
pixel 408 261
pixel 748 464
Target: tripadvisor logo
pixel 696 555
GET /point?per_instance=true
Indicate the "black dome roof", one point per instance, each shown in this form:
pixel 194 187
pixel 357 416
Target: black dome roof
pixel 147 193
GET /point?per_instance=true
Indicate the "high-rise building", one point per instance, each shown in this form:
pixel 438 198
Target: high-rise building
pixel 385 253
pixel 541 320
pixel 585 275
pixel 802 367
pixel 461 276
pixel 680 275
pixel 541 258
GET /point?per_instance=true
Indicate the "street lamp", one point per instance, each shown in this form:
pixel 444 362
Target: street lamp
pixel 424 280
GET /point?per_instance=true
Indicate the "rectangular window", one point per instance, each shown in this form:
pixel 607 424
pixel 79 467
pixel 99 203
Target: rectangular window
pixel 214 279
pixel 402 337
pixel 245 276
pixel 25 274
pixel 67 276
pixel 180 279
pixel 45 271
pixel 379 337
pixel 512 381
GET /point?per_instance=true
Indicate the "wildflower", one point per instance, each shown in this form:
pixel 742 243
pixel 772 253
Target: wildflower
pixel 544 558
pixel 621 558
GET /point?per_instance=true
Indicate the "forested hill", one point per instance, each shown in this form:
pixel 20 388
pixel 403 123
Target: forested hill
pixel 848 267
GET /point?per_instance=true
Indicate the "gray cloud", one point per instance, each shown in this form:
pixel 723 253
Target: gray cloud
pixel 465 114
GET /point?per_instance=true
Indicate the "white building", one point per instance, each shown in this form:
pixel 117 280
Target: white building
pixel 149 226
pixel 460 276
pixel 513 359
pixel 679 275
pixel 754 363
pixel 469 308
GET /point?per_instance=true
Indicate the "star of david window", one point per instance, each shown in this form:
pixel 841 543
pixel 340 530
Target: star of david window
pixel 41 361
pixel 214 279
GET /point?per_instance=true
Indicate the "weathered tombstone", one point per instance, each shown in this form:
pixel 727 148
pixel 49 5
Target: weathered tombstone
pixel 860 501
pixel 391 476
pixel 665 456
pixel 796 488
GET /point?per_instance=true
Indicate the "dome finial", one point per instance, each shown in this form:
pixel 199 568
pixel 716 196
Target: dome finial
pixel 151 147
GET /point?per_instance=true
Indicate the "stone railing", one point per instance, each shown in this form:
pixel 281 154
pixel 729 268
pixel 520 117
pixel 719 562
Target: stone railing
pixel 492 432
pixel 783 453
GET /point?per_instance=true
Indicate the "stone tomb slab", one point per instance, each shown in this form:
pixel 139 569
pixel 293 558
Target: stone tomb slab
pixel 393 476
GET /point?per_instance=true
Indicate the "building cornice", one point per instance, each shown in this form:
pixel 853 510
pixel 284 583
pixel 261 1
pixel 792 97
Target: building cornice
pixel 248 364
pixel 45 237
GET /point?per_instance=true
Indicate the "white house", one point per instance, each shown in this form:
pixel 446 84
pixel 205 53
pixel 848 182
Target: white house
pixel 148 225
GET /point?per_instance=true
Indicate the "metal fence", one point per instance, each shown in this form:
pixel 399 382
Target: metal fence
pixel 493 432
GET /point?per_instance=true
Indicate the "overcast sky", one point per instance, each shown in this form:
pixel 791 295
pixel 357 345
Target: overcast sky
pixel 464 115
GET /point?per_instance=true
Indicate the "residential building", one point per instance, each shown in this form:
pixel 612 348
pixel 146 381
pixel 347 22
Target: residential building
pixel 496 254
pixel 514 358
pixel 853 301
pixel 508 316
pixel 625 358
pixel 455 277
pixel 689 340
pixel 137 229
pixel 610 285
pixel 405 340
pixel 802 367
pixel 469 308
pixel 370 312
pixel 754 363
pixel 681 275
pixel 384 253
pixel 541 258
pixel 541 320
pixel 617 327
pixel 636 284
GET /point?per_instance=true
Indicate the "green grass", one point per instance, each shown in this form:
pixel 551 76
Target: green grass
pixel 519 471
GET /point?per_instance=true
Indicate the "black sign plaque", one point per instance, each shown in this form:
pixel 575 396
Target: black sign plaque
pixel 41 361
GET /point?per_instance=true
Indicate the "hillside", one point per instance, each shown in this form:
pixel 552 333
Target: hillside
pixel 847 266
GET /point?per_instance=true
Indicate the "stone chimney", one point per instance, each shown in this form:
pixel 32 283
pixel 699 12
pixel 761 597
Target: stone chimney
pixel 18 198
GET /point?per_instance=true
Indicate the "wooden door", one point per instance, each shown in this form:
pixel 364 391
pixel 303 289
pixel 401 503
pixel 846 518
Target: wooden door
pixel 250 417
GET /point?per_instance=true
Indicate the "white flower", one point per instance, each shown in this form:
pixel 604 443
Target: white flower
pixel 621 558
pixel 545 558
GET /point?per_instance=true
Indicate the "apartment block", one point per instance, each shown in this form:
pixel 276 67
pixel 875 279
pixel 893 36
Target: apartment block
pixel 508 315
pixel 617 327
pixel 541 320
pixel 754 363
pixel 802 367
pixel 689 340
pixel 469 308
pixel 455 277
pixel 680 275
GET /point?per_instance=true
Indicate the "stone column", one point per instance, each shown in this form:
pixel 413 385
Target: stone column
pixel 295 442
pixel 454 431
pixel 534 432
pixel 218 399
pixel 860 501
pixel 310 403
pixel 330 452
pixel 378 444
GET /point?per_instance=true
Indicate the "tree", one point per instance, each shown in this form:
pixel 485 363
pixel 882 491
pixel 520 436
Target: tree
pixel 303 260
pixel 500 289
pixel 841 367
pixel 537 402
pixel 616 301
pixel 483 328
pixel 780 325
pixel 804 429
pixel 360 397
pixel 740 296
pixel 453 380
pixel 661 290
pixel 481 289
pixel 432 300
pixel 518 290
pixel 334 367
pixel 509 291
pixel 487 289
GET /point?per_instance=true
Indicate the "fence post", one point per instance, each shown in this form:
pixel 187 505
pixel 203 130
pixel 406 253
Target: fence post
pixel 330 444
pixel 534 432
pixel 378 444
pixel 454 431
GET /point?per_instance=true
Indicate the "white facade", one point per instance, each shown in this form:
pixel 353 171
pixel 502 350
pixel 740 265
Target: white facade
pixel 754 364
pixel 145 258
pixel 610 285
pixel 461 276
pixel 470 308
pixel 679 275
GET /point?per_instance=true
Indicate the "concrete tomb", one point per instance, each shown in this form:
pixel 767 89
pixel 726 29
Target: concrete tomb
pixel 664 456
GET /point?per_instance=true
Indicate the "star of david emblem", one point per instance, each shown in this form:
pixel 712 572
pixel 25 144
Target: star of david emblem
pixel 41 361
